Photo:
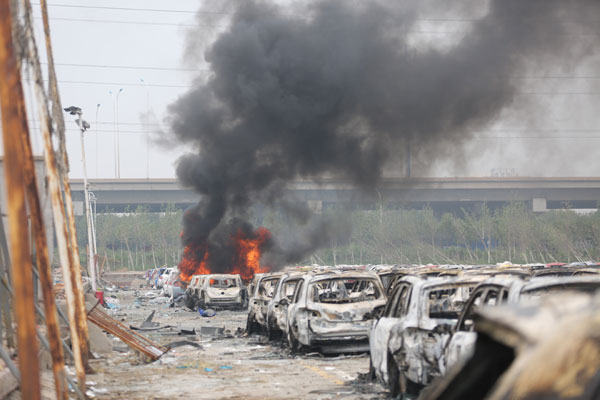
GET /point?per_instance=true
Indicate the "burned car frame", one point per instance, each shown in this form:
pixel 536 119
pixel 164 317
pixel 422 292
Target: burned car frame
pixel 216 291
pixel 333 312
pixel 496 291
pixel 278 306
pixel 260 297
pixel 407 342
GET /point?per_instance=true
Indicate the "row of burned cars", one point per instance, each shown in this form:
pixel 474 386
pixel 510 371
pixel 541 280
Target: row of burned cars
pixel 443 332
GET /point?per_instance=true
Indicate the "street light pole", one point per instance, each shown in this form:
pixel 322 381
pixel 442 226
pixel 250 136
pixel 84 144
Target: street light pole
pixel 91 247
pixel 96 127
pixel 118 137
pixel 112 97
pixel 147 128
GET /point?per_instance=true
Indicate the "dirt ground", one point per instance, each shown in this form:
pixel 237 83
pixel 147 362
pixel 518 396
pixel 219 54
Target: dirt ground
pixel 229 366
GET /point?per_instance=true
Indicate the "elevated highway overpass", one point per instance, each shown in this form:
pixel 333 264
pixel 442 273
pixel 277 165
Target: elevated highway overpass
pixel 441 194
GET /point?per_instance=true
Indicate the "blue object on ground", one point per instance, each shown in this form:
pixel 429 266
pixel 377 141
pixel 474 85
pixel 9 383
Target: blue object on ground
pixel 207 313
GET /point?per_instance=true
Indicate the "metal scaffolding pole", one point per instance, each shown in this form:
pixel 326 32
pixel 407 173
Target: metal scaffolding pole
pixel 11 101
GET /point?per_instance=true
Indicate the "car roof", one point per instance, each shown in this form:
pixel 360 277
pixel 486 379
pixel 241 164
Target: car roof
pixel 343 275
pixel 227 276
pixel 541 282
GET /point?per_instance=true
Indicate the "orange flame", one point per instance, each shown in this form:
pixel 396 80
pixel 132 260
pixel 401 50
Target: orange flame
pixel 193 262
pixel 245 260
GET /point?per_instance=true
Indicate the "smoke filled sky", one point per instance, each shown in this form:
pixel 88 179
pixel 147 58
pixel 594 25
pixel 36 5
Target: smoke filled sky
pixel 332 87
pixel 547 126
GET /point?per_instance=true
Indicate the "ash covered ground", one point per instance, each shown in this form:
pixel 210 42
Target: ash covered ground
pixel 231 365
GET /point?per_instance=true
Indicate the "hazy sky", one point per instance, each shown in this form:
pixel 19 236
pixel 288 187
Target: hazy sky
pixel 552 128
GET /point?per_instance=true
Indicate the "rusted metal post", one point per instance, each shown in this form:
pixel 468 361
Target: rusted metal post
pixel 11 93
pixel 43 264
pixel 69 260
pixel 70 277
pixel 73 248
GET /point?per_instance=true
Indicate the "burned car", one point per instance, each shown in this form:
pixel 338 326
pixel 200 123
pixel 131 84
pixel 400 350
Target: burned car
pixel 407 342
pixel 547 348
pixel 216 291
pixel 496 291
pixel 278 306
pixel 263 291
pixel 333 312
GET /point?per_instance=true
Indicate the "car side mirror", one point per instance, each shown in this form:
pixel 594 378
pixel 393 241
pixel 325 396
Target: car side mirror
pixel 284 302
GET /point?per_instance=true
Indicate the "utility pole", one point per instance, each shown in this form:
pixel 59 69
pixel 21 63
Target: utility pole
pixel 147 128
pixel 118 138
pixel 96 128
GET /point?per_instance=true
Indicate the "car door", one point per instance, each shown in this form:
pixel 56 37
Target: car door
pixel 380 332
pixel 294 304
pixel 285 295
pixel 462 343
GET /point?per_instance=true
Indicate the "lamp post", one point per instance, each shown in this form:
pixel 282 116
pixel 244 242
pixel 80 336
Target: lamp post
pixel 110 92
pixel 83 126
pixel 118 137
pixel 147 128
pixel 97 108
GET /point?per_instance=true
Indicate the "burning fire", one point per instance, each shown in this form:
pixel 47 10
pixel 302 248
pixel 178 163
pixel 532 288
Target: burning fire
pixel 245 258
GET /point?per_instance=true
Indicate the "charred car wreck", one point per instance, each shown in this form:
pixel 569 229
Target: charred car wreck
pixel 216 291
pixel 333 312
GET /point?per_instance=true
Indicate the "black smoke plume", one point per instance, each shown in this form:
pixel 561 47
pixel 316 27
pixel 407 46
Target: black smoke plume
pixel 341 89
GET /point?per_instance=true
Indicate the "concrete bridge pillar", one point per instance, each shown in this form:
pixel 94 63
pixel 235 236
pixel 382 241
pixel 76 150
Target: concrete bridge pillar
pixel 538 204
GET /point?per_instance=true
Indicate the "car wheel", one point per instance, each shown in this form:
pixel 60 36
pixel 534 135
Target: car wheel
pixel 396 384
pixel 201 302
pixel 371 375
pixel 295 345
pixel 272 333
pixel 250 325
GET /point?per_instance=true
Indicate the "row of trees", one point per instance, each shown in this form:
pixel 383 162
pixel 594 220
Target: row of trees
pixel 140 239
pixel 485 236
pixel 136 239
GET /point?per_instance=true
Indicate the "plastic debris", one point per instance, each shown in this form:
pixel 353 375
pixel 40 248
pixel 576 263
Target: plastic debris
pixel 209 312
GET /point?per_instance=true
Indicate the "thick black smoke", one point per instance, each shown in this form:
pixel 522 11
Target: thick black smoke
pixel 341 89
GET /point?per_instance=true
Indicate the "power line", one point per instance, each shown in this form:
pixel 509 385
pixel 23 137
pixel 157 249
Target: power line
pixel 557 131
pixel 190 86
pixel 106 21
pixel 131 67
pixel 592 34
pixel 137 9
pixel 125 84
pixel 467 20
pixel 136 67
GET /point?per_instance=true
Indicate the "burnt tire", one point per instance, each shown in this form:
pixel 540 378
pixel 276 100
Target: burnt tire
pixel 294 343
pixel 251 325
pixel 371 375
pixel 189 301
pixel 273 334
pixel 397 380
pixel 200 302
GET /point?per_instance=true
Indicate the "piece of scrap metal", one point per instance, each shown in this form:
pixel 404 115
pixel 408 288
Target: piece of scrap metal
pixel 120 330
